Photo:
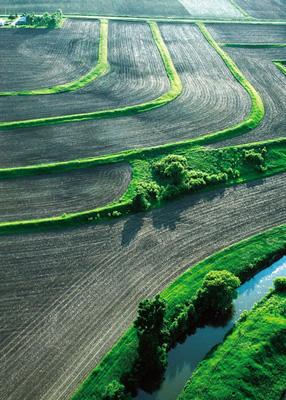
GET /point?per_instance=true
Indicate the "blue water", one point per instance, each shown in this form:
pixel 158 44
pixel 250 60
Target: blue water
pixel 184 358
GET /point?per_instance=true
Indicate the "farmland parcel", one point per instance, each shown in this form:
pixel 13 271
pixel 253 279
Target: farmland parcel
pixel 68 295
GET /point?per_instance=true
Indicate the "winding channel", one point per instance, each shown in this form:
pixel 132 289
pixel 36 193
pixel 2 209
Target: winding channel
pixel 184 358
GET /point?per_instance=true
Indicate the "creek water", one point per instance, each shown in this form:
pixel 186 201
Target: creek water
pixel 184 358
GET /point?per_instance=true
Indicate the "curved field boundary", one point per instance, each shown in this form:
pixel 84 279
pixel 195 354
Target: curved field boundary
pixel 281 65
pixel 240 9
pixel 267 247
pixel 123 206
pixel 175 90
pixel 100 69
pixel 252 45
pixel 253 120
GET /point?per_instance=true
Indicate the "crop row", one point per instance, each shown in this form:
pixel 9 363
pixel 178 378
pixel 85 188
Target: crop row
pixel 242 259
pixel 60 328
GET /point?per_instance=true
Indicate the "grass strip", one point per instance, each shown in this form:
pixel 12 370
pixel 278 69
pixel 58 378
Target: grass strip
pixel 252 45
pixel 174 91
pixel 281 65
pixel 251 362
pixel 240 9
pixel 100 69
pixel 257 110
pixel 259 251
pixel 253 120
pixel 215 161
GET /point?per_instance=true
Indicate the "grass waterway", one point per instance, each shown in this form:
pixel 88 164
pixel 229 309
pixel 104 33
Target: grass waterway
pixel 184 358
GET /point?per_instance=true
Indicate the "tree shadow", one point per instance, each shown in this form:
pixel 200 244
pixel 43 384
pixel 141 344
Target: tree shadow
pixel 131 228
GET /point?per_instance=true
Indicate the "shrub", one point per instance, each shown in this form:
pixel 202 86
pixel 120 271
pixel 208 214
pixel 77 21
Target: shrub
pixel 170 192
pixel 160 166
pixel 217 292
pixel 280 284
pixel 115 391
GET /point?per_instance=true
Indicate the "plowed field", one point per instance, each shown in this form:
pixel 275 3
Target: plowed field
pixel 209 8
pixel 70 192
pixel 211 100
pixel 99 7
pixel 269 81
pixel 137 75
pixel 67 296
pixel 39 58
pixel 239 33
pixel 268 9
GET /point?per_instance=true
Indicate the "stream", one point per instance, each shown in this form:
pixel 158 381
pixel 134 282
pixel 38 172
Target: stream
pixel 184 358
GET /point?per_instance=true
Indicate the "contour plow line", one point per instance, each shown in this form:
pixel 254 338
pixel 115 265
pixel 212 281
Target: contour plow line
pixel 174 91
pixel 101 68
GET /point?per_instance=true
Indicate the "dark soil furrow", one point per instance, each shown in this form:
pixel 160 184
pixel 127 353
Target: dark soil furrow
pixel 52 195
pixel 211 100
pixel 239 33
pixel 40 58
pixel 269 81
pixel 81 286
pixel 137 75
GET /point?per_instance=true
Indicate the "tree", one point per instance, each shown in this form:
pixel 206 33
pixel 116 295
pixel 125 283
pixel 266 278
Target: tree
pixel 150 331
pixel 217 292
pixel 115 391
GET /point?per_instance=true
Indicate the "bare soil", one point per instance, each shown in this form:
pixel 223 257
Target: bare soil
pixel 239 33
pixel 267 9
pixel 67 296
pixel 137 75
pixel 211 9
pixel 211 100
pixel 147 8
pixel 40 58
pixel 45 196
pixel 269 81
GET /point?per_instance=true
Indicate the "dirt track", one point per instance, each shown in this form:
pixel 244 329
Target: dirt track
pixel 75 291
pixel 47 57
pixel 51 195
pixel 211 100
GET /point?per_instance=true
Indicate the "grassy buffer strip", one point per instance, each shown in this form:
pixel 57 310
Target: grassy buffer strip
pixel 100 69
pixel 243 259
pixel 253 120
pixel 174 91
pixel 199 159
pixel 281 65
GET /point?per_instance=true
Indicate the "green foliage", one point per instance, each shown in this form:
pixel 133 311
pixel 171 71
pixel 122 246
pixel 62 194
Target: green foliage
pixel 49 20
pixel 256 157
pixel 149 325
pixel 115 391
pixel 217 292
pixel 251 362
pixel 280 284
pixel 268 246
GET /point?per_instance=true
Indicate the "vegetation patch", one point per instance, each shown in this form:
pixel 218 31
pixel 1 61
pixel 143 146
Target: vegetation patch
pixel 159 178
pixel 281 65
pixel 46 20
pixel 251 361
pixel 241 260
pixel 100 69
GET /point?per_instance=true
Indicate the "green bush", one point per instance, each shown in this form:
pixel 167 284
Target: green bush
pixel 217 292
pixel 115 391
pixel 280 284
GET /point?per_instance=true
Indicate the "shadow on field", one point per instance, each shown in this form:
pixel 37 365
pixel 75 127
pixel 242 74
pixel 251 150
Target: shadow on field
pixel 131 227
